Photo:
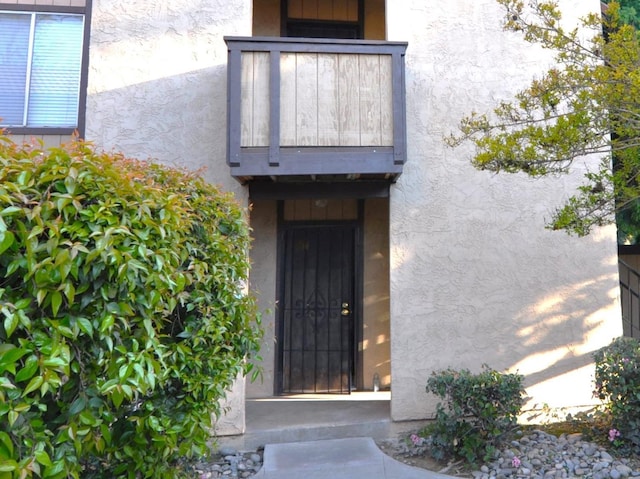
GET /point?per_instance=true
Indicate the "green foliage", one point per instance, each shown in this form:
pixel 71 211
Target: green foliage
pixel 618 385
pixel 123 318
pixel 479 409
pixel 630 12
pixel 586 106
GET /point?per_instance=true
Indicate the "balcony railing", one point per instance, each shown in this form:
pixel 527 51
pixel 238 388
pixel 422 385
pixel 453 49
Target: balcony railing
pixel 315 107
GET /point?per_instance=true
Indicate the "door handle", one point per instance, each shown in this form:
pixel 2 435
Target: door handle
pixel 345 309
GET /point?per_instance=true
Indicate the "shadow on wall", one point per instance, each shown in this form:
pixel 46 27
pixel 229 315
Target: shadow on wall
pixel 178 120
pixel 541 312
pixel 559 338
pixel 157 81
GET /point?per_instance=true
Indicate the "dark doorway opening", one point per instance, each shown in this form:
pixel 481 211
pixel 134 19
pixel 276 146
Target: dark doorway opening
pixel 317 308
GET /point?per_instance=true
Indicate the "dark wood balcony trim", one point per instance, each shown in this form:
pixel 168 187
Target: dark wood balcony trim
pixel 263 190
pixel 317 161
pixel 277 160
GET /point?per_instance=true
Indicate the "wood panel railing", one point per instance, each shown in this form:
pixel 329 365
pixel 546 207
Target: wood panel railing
pixel 315 106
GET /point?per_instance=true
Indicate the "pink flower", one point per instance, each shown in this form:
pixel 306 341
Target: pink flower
pixel 613 434
pixel 515 462
pixel 416 440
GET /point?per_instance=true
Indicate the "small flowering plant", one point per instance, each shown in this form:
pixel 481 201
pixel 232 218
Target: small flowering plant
pixel 617 380
pixel 417 440
pixel 515 462
pixel 614 437
pixel 613 434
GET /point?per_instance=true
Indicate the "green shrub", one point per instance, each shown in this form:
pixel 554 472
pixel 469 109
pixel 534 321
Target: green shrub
pixel 479 409
pixel 617 379
pixel 123 317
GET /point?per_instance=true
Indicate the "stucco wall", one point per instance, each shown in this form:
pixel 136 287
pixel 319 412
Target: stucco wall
pixel 157 89
pixel 376 338
pixel 264 223
pixel 475 277
pixel 47 141
pixel 157 80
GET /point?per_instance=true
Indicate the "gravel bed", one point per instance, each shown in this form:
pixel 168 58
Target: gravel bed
pixel 534 455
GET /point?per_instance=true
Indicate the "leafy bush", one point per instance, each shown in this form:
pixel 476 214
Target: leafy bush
pixel 479 410
pixel 122 310
pixel 617 379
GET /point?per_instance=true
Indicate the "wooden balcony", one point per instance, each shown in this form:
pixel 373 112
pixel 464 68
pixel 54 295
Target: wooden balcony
pixel 307 108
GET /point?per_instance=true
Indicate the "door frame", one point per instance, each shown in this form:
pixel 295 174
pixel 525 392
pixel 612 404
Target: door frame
pixel 358 288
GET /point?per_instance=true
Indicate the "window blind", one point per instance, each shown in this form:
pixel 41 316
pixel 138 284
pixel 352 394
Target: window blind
pixel 14 54
pixel 45 69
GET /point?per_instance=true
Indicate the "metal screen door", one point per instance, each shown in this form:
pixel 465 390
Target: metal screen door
pixel 317 321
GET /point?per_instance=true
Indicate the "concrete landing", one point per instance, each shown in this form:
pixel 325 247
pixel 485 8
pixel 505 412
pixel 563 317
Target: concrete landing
pixel 347 458
pixel 308 417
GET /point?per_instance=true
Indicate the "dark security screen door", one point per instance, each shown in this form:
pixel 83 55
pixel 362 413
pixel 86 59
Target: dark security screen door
pixel 317 320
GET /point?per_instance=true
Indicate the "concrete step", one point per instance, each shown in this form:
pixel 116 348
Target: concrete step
pixel 316 417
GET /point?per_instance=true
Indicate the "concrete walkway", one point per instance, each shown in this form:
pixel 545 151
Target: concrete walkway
pixel 346 458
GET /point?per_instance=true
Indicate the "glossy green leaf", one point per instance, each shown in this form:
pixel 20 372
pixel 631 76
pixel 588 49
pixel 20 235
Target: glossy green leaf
pixel 77 406
pixel 6 240
pixel 55 470
pixel 9 355
pixel 107 323
pixel 10 323
pixel 34 384
pixel 56 302
pixel 85 326
pixel 6 446
pixel 8 466
pixel 117 396
pixel 43 458
pixel 29 369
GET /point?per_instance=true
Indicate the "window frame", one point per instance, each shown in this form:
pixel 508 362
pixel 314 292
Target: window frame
pixel 84 67
pixel 287 22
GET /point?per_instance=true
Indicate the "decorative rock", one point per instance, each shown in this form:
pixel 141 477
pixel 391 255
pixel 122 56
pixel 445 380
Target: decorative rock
pixel 541 456
pixel 227 451
pixel 624 470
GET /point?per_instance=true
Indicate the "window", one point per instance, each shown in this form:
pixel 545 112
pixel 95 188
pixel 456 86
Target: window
pixel 40 69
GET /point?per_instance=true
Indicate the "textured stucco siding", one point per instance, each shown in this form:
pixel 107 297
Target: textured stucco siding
pixel 264 253
pixel 47 141
pixel 157 80
pixel 475 277
pixel 157 89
